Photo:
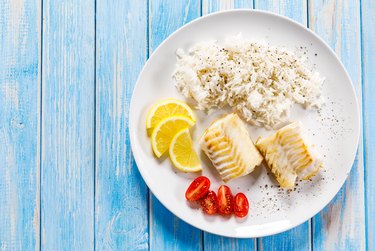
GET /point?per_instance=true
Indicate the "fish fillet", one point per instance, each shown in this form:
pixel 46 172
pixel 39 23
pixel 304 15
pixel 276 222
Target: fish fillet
pixel 228 145
pixel 289 156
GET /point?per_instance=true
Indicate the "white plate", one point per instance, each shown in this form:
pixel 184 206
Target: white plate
pixel 335 131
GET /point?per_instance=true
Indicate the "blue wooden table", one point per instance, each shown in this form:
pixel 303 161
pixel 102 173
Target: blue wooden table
pixel 67 177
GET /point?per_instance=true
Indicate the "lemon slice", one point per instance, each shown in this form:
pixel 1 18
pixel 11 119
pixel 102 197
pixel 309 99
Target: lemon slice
pixel 182 153
pixel 165 130
pixel 167 108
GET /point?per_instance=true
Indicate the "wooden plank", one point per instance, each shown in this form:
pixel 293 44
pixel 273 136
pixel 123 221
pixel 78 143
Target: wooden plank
pixel 20 65
pixel 368 64
pixel 296 10
pixel 67 174
pixel 298 238
pixel 121 204
pixel 167 232
pixel 214 242
pixel 209 6
pixel 340 226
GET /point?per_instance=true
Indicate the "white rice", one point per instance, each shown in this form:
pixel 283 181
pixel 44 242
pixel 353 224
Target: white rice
pixel 260 82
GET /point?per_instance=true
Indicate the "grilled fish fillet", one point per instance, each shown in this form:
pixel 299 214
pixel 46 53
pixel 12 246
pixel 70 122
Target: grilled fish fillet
pixel 289 156
pixel 228 145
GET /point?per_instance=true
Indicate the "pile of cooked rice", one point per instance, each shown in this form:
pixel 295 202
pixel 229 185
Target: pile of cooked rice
pixel 260 82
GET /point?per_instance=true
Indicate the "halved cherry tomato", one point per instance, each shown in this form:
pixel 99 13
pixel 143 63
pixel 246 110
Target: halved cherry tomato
pixel 198 188
pixel 209 203
pixel 225 199
pixel 241 205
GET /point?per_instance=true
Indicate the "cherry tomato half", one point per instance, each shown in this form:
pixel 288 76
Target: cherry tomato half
pixel 198 188
pixel 241 205
pixel 210 203
pixel 225 199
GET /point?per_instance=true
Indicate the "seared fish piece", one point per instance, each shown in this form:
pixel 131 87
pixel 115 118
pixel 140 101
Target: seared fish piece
pixel 228 145
pixel 289 156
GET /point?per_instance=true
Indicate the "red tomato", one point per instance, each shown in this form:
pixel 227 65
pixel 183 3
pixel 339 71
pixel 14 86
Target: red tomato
pixel 198 188
pixel 209 203
pixel 241 205
pixel 225 199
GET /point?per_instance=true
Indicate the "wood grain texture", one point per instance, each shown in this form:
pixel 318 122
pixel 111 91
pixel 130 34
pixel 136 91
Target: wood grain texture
pixel 67 174
pixel 211 241
pixel 298 238
pixel 167 232
pixel 340 226
pixel 214 242
pixel 296 10
pixel 121 204
pixel 368 64
pixel 209 6
pixel 20 41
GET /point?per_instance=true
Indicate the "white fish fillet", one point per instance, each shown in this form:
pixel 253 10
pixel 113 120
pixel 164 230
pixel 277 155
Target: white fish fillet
pixel 228 145
pixel 289 156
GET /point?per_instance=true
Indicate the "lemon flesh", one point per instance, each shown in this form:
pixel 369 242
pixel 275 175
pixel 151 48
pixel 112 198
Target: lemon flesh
pixel 182 154
pixel 167 108
pixel 165 130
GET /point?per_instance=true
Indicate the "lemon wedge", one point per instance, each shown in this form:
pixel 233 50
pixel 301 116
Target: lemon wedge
pixel 182 154
pixel 167 108
pixel 165 130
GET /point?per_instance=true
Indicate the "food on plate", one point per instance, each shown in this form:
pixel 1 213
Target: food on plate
pixel 225 199
pixel 241 205
pixel 258 81
pixel 169 121
pixel 228 145
pixel 210 203
pixel 182 154
pixel 222 203
pixel 198 188
pixel 166 108
pixel 165 130
pixel 289 156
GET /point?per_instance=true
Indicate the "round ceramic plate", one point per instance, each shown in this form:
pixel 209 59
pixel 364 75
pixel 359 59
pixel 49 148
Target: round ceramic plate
pixel 334 130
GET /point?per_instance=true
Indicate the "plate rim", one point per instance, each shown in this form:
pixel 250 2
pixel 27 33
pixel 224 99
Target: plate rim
pixel 132 131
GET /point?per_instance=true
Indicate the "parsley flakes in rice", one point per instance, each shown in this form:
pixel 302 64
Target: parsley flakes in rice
pixel 260 82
